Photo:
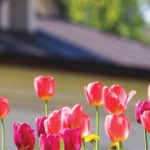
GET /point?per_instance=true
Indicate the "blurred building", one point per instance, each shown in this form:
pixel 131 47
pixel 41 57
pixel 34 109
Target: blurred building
pixel 63 44
pixel 21 15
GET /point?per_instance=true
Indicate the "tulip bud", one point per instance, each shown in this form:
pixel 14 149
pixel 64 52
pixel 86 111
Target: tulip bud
pixel 49 142
pixel 4 107
pixel 44 87
pixel 24 136
pixel 72 139
pixel 145 119
pixel 93 92
pixel 40 125
pixel 140 107
pixel 117 127
pixel 116 99
pixel 78 119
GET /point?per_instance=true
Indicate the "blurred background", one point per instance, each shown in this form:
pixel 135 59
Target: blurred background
pixel 77 42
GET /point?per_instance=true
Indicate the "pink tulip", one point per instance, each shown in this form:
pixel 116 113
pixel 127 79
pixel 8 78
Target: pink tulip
pixel 72 139
pixel 57 120
pixel 117 127
pixel 140 107
pixel 44 87
pixel 24 136
pixel 49 142
pixel 68 118
pixel 116 99
pixel 4 107
pixel 93 92
pixel 145 119
pixel 78 119
pixel 40 125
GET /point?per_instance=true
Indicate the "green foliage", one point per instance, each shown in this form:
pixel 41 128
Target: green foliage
pixel 117 16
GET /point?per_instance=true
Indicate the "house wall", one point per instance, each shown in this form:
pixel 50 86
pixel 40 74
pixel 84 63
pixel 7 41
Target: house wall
pixel 18 15
pixel 4 15
pixel 21 15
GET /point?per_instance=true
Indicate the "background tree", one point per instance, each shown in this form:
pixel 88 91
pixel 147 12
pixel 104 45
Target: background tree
pixel 121 17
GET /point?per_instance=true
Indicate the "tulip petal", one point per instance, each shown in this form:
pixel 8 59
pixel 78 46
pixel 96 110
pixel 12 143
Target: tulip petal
pixel 93 92
pixel 145 119
pixel 140 107
pixel 117 127
pixel 49 142
pixel 44 87
pixel 4 107
pixel 24 136
pixel 130 95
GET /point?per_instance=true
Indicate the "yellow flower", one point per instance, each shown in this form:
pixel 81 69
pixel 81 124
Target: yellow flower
pixel 91 138
pixel 114 145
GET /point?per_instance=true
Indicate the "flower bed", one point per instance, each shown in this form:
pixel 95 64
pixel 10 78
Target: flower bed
pixel 69 128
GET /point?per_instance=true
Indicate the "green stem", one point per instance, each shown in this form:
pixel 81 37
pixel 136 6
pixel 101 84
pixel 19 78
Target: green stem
pixel 46 107
pixel 3 134
pixel 84 145
pixel 61 145
pixel 120 146
pixel 37 144
pixel 94 146
pixel 146 143
pixel 97 127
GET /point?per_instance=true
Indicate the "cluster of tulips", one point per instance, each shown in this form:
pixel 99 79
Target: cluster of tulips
pixel 69 128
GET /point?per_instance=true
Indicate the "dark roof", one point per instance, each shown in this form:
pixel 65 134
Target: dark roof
pixel 105 46
pixel 68 43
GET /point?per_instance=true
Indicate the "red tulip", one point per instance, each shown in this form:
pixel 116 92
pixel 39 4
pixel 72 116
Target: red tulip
pixel 49 142
pixel 57 120
pixel 93 92
pixel 116 99
pixel 44 87
pixel 140 107
pixel 78 119
pixel 40 125
pixel 68 118
pixel 145 119
pixel 4 107
pixel 72 139
pixel 24 136
pixel 117 127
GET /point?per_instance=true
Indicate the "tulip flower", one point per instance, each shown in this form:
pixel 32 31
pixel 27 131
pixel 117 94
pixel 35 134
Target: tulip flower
pixel 78 119
pixel 116 99
pixel 4 110
pixel 49 142
pixel 4 107
pixel 24 136
pixel 53 123
pixel 145 119
pixel 72 139
pixel 68 118
pixel 140 107
pixel 117 127
pixel 93 92
pixel 45 88
pixel 57 121
pixel 40 125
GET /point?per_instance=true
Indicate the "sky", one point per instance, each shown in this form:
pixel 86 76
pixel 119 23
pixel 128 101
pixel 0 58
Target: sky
pixel 145 9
